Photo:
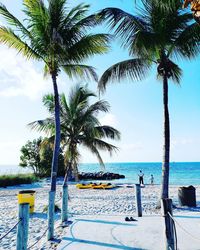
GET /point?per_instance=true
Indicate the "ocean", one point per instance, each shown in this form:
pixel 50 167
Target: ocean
pixel 181 173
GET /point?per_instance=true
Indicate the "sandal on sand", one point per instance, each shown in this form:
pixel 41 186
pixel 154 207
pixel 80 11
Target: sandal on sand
pixel 127 219
pixel 132 219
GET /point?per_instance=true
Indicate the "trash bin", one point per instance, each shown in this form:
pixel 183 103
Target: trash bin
pixel 187 196
pixel 27 196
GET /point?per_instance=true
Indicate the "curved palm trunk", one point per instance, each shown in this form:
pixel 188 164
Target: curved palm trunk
pixel 54 167
pixel 166 146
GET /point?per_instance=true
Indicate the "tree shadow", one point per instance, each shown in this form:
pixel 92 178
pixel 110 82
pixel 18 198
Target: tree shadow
pixel 96 243
pixel 39 215
pixel 107 222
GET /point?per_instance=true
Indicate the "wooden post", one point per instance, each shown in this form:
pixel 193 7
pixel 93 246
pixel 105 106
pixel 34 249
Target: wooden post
pixel 51 212
pixel 64 215
pixel 166 206
pixel 22 229
pixel 138 200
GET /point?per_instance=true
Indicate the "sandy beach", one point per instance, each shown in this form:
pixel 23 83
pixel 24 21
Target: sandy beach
pixel 110 205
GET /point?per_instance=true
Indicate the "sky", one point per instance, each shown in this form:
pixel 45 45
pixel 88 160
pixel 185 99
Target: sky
pixel 136 108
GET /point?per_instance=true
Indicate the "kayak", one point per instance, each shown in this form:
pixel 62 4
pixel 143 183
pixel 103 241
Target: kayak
pixel 84 186
pixel 94 186
pixel 103 186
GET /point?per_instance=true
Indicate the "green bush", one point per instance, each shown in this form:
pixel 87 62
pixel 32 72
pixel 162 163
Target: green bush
pixel 37 156
pixel 17 179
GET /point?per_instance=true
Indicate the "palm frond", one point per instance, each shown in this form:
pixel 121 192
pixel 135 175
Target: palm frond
pixel 117 18
pixel 99 106
pixel 104 146
pixel 106 131
pixel 95 151
pixel 9 38
pixel 134 69
pixel 89 22
pixel 88 46
pixel 187 43
pixel 75 15
pixel 46 126
pixel 12 20
pixel 56 12
pixel 176 73
pixel 48 101
pixel 167 5
pixel 80 71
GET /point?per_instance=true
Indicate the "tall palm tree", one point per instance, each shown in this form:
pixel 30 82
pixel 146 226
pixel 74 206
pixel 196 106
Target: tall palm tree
pixel 79 126
pixel 155 36
pixel 56 35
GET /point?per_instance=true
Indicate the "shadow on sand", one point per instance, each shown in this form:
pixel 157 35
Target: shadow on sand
pixel 106 222
pixel 87 243
pixel 95 243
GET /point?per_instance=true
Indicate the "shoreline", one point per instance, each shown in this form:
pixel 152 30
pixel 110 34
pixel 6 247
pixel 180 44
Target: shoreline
pixel 37 185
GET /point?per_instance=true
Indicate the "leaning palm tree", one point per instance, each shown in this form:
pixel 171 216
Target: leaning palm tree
pixel 56 35
pixel 156 36
pixel 79 126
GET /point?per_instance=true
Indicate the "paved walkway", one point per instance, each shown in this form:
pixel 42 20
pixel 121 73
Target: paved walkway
pixel 109 233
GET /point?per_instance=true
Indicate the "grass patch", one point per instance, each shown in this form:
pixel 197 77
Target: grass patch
pixel 17 179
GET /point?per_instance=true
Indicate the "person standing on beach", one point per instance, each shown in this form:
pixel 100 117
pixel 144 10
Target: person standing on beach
pixel 141 177
pixel 152 179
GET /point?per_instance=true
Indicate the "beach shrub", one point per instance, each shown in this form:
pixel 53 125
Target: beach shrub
pixel 17 179
pixel 37 155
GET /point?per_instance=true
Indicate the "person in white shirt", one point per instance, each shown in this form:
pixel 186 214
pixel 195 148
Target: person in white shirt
pixel 141 177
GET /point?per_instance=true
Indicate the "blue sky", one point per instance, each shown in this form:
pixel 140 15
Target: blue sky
pixel 136 108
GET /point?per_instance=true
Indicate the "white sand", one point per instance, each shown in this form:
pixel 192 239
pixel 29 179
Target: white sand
pixel 107 209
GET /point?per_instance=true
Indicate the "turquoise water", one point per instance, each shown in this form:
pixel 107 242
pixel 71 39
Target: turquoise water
pixel 181 173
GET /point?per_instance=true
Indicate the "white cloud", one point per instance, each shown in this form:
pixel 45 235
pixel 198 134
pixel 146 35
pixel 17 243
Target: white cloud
pixel 109 119
pixel 19 77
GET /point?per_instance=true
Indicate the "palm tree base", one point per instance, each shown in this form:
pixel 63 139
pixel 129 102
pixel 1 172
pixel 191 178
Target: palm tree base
pixel 64 214
pixel 51 213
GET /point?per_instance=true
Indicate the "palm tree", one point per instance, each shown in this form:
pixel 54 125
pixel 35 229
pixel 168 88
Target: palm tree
pixel 57 36
pixel 79 126
pixel 156 36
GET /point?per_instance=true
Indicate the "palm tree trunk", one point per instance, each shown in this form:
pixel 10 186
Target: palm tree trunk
pixel 54 167
pixel 76 172
pixel 166 146
pixel 64 212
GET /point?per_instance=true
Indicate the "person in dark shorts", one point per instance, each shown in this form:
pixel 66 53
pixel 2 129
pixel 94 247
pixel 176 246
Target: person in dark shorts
pixel 152 179
pixel 141 177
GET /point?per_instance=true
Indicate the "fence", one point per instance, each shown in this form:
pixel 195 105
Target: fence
pixel 170 226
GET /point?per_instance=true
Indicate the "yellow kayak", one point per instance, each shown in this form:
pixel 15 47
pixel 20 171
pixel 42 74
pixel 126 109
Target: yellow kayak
pixel 95 186
pixel 84 186
pixel 102 186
